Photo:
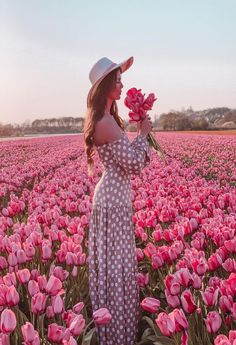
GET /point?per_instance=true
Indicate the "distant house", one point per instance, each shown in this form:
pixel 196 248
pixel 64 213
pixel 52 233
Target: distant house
pixel 229 124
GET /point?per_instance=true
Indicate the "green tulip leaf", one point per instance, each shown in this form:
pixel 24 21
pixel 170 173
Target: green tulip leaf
pixel 88 337
pixel 151 324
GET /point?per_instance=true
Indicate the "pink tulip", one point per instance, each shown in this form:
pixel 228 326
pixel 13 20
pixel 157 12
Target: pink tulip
pixel 80 259
pixel 179 318
pixel 35 274
pixel 70 259
pixel 29 249
pixel 12 296
pixel 231 281
pixel 226 303
pixel 60 273
pixel 78 307
pixel 3 291
pixel 77 325
pixel 23 276
pixel 84 219
pixel 102 316
pixel 225 288
pixel 199 266
pixel 12 259
pixel 58 333
pixel 142 279
pixel 42 282
pixel 175 289
pixel 196 281
pixel 188 303
pixel 232 337
pixel 49 312
pixel 139 254
pixel 229 265
pixel 183 276
pixel 57 304
pixel 172 253
pixel 157 235
pixel 46 252
pixel 157 261
pixel 210 296
pixel 5 212
pixel 33 287
pixel 150 304
pixel 4 339
pixel 222 340
pixel 214 262
pixel 8 321
pixel 38 303
pixel 230 245
pixel 71 341
pixel 215 282
pixel 213 322
pixel 169 280
pixel 166 324
pixel 36 340
pixel 21 256
pixel 173 301
pixel 172 285
pixel 54 285
pixel 10 279
pixel 150 250
pixel 60 255
pixel 3 263
pixel 149 101
pixel 28 332
pixel 68 316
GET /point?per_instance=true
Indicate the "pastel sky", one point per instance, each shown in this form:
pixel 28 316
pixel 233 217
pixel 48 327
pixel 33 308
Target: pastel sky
pixel 184 51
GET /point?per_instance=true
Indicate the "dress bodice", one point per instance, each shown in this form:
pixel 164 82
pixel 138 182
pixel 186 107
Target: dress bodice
pixel 120 159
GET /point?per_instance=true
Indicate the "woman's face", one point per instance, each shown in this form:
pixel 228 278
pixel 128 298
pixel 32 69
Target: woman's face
pixel 116 91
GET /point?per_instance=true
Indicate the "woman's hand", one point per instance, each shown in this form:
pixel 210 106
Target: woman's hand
pixel 145 126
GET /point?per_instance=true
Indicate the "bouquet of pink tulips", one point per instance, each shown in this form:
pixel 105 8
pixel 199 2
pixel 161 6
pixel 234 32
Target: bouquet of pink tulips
pixel 139 106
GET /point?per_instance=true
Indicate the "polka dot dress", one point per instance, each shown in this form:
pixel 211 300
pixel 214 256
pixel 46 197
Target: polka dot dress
pixel 112 258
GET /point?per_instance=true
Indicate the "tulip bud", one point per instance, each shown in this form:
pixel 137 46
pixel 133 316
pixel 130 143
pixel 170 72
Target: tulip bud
pixel 8 321
pixel 150 304
pixel 28 332
pixel 102 316
pixel 12 296
pixel 23 275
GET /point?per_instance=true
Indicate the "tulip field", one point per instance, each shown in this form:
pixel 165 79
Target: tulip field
pixel 184 216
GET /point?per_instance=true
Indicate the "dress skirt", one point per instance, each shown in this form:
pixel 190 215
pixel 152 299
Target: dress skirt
pixel 113 271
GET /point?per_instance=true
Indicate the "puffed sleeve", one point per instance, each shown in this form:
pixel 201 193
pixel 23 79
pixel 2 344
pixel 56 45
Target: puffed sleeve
pixel 132 157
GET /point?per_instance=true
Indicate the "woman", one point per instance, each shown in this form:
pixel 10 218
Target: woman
pixel 112 256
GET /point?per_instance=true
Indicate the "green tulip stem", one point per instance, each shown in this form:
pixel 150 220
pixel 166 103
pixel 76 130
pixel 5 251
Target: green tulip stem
pixel 86 330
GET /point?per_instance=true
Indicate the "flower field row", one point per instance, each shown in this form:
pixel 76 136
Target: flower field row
pixel 184 220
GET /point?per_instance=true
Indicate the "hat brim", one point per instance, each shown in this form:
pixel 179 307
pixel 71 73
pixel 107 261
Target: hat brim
pixel 125 65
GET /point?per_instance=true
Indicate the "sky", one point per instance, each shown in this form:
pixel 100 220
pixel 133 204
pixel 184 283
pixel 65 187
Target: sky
pixel 184 51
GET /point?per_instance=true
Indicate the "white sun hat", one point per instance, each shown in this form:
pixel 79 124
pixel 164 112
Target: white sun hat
pixel 102 68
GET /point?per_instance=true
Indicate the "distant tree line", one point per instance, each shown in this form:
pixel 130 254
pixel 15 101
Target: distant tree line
pixel 8 130
pixel 177 121
pixel 44 126
pixel 215 118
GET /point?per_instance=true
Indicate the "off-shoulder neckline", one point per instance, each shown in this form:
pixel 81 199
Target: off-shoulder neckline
pixel 113 142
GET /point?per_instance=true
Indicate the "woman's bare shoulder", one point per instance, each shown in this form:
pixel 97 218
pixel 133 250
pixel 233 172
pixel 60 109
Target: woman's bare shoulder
pixel 106 131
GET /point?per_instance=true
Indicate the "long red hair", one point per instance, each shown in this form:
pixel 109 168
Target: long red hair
pixel 95 111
